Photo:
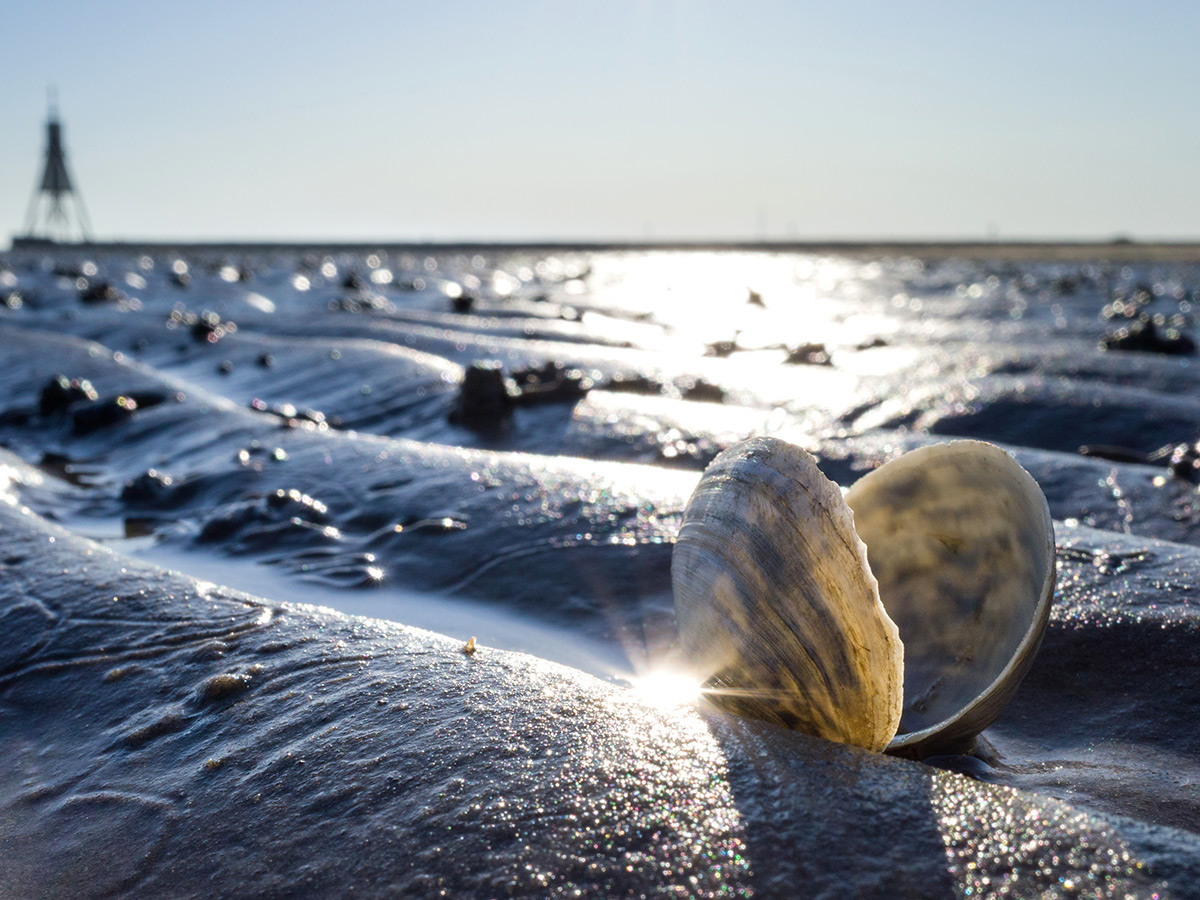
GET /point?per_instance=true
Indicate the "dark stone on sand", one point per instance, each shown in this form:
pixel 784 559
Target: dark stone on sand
pixel 1144 336
pixel 463 303
pixel 634 384
pixel 702 391
pixel 95 414
pixel 148 489
pixel 722 349
pixel 208 328
pixel 265 360
pixel 99 292
pixel 102 414
pixel 156 490
pixel 1183 460
pixel 809 355
pixel 872 344
pixel 486 398
pixel 552 382
pixel 61 392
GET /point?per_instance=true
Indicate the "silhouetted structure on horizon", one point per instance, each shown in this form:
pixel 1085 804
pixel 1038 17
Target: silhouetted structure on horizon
pixel 48 207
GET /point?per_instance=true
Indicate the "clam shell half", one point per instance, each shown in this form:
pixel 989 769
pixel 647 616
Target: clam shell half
pixel 779 607
pixel 776 606
pixel 960 539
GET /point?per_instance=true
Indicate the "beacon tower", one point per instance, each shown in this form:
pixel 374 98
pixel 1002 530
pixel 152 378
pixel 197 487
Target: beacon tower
pixel 56 210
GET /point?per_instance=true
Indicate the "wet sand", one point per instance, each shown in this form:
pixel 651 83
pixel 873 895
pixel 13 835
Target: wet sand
pixel 299 416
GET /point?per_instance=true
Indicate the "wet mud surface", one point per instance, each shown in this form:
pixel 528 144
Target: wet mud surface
pixel 509 443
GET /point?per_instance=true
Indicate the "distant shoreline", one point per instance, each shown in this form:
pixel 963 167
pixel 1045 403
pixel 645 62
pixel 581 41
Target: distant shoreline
pixel 1049 251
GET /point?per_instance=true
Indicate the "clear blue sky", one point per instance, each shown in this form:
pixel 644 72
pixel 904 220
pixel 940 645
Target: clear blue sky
pixel 623 119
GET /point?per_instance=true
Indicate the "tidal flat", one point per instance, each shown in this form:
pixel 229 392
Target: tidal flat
pixel 258 500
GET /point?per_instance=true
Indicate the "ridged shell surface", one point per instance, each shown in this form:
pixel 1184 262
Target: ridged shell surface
pixel 960 539
pixel 776 607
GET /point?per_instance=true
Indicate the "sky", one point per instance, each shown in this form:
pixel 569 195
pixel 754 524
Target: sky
pixel 622 120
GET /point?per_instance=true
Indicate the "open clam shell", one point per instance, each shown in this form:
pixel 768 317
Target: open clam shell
pixel 778 601
pixel 960 539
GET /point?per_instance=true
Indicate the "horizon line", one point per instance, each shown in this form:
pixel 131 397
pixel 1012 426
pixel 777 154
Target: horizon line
pixel 1049 249
pixel 828 241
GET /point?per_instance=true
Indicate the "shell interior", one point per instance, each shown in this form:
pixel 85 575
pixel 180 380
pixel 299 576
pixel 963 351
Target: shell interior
pixel 960 539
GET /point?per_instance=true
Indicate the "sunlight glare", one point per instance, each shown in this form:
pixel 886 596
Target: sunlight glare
pixel 666 689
